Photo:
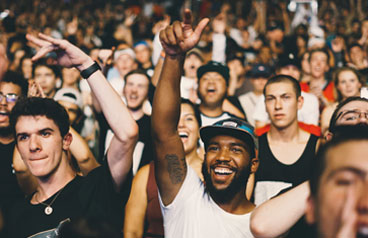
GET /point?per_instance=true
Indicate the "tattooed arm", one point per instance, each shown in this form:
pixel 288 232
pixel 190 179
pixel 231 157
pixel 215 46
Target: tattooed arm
pixel 170 169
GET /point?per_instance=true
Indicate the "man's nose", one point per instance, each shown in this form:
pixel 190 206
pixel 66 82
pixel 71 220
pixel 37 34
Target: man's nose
pixel 34 144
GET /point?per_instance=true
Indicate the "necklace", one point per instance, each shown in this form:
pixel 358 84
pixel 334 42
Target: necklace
pixel 48 209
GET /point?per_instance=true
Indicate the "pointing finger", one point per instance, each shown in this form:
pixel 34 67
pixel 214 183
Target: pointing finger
pixel 200 27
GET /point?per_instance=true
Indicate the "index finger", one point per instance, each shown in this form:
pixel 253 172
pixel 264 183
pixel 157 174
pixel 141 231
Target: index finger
pixel 187 17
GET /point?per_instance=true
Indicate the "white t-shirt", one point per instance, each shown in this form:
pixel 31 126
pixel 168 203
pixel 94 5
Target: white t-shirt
pixel 248 102
pixel 194 214
pixel 309 113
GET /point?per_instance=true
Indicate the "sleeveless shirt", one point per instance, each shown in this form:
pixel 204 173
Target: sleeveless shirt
pixel 274 176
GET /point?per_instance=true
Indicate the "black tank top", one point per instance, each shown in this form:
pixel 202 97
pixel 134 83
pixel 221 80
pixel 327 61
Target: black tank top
pixel 273 176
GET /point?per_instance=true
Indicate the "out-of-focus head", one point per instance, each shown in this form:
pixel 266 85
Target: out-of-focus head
pixel 348 83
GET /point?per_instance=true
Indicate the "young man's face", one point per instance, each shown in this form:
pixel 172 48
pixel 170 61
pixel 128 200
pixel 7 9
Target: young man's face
pixel 124 64
pixel 136 90
pixel 40 144
pixel 212 88
pixel 318 64
pixel 46 78
pixel 342 197
pixel 142 53
pixel 227 161
pixel 6 105
pixel 282 104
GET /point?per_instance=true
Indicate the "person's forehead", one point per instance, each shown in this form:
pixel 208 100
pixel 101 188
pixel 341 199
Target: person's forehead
pixel 43 69
pixel 351 154
pixel 138 78
pixel 354 105
pixel 318 55
pixel 279 88
pixel 31 124
pixel 8 87
pixel 226 139
pixel 212 74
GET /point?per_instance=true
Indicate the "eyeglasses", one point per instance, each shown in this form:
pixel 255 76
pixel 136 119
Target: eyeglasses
pixel 351 115
pixel 10 97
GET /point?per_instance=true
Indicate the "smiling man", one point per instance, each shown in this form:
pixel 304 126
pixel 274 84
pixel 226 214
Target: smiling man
pixel 218 206
pixel 286 151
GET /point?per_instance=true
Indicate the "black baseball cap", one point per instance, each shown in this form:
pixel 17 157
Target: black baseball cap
pixel 213 66
pixel 288 59
pixel 233 127
pixel 260 71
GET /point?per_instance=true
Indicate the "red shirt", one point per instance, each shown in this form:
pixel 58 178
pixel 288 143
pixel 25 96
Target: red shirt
pixel 328 91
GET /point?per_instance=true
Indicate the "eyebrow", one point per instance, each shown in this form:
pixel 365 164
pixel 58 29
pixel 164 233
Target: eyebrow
pixel 39 131
pixel 353 170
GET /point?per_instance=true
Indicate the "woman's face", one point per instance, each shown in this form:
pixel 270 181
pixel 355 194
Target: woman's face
pixel 348 84
pixel 188 128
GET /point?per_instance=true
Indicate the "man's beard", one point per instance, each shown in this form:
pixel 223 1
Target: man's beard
pixel 5 131
pixel 225 195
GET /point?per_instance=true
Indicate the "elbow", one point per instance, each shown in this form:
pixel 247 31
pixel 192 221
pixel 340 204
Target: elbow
pixel 258 228
pixel 130 133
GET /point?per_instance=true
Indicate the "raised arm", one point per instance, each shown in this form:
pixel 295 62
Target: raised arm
pixel 170 165
pixel 125 129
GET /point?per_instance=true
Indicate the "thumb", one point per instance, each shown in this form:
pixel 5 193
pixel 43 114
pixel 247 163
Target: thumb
pixel 201 25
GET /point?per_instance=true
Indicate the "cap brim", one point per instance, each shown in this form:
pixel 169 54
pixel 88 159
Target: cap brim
pixel 209 132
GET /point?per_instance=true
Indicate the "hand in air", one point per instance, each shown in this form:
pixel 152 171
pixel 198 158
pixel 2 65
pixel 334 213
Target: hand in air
pixel 68 55
pixel 180 37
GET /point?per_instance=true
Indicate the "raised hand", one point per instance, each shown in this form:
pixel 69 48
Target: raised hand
pixel 180 37
pixel 68 55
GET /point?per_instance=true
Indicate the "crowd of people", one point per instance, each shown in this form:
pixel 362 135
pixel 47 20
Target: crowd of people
pixel 147 119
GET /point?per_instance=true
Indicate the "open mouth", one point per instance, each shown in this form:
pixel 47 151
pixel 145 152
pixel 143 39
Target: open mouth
pixel 223 171
pixel 183 135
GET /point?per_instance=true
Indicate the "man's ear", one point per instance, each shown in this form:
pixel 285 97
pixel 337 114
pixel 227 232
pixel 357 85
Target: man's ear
pixel 254 163
pixel 310 211
pixel 67 140
pixel 300 102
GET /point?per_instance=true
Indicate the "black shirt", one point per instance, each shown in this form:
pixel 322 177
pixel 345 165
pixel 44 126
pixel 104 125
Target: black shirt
pixel 90 197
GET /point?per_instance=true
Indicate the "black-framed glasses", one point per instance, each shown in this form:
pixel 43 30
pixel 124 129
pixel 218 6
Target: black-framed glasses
pixel 10 97
pixel 351 115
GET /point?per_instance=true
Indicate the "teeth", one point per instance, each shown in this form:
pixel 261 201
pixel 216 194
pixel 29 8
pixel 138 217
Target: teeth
pixel 183 134
pixel 223 171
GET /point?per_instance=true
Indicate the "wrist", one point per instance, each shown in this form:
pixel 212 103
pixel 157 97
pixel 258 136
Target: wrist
pixel 86 73
pixel 89 62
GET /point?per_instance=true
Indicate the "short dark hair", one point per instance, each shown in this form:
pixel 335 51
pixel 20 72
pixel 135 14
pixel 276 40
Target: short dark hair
pixel 343 135
pixel 44 62
pixel 137 71
pixel 195 108
pixel 323 50
pixel 17 79
pixel 281 78
pixel 35 106
pixel 335 114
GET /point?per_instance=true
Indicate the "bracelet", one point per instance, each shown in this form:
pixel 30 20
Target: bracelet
pixel 90 70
